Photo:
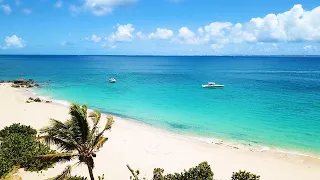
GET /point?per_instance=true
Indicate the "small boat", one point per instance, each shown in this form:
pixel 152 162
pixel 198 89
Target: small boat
pixel 212 85
pixel 112 80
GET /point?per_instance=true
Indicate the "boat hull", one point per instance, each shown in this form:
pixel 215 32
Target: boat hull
pixel 213 86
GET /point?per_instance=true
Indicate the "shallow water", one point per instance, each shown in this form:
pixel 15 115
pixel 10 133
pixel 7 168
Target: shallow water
pixel 268 101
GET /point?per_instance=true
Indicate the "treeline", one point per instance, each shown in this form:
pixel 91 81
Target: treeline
pixel 23 147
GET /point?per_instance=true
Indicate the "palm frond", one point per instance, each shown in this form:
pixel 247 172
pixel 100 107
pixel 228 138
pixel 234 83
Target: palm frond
pixel 66 173
pixel 80 124
pixel 59 157
pixel 96 139
pixel 54 125
pixel 100 143
pixel 61 143
pixel 95 116
pixel 62 134
pixel 109 123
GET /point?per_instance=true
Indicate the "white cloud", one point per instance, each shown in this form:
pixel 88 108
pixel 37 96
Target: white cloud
pixel 200 31
pixel 309 47
pixel 217 28
pixel 161 33
pixel 124 33
pixel 142 36
pixel 74 9
pixel 27 11
pixel 294 25
pixel 188 37
pixel 94 38
pixel 67 43
pixel 185 33
pixel 6 9
pixel 58 4
pixel 112 46
pixel 217 46
pixel 14 42
pixel 103 7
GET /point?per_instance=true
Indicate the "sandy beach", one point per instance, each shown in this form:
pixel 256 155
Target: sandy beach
pixel 145 148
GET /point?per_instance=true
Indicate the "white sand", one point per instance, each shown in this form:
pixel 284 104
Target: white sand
pixel 145 148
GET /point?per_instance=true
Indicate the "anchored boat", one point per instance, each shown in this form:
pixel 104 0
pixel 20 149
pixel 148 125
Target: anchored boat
pixel 212 85
pixel 112 80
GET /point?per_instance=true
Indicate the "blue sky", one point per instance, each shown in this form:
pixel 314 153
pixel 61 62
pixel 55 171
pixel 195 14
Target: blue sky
pixel 160 27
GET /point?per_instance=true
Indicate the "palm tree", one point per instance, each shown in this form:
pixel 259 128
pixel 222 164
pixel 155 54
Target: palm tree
pixel 75 139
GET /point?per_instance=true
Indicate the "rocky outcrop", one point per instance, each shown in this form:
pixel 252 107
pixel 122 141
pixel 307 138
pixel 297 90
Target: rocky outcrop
pixel 22 83
pixel 31 99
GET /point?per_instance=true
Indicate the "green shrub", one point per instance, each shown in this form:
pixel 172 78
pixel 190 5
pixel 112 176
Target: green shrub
pixel 243 175
pixel 201 172
pixel 19 129
pixel 77 178
pixel 19 147
pixel 6 166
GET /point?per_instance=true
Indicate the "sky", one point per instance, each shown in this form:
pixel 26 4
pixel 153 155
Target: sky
pixel 160 27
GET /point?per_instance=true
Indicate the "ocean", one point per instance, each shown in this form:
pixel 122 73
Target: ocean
pixel 267 101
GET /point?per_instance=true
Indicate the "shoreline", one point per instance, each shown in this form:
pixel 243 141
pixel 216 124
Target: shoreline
pixel 231 143
pixel 145 147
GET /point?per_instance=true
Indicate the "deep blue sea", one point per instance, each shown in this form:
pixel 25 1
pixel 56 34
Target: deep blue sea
pixel 266 101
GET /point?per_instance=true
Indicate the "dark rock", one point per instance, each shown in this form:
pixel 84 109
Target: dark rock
pixel 37 100
pixel 20 81
pixel 48 101
pixel 36 85
pixel 31 99
pixel 31 81
pixel 15 85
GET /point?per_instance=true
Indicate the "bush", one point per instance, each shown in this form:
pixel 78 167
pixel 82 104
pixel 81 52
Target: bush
pixel 6 166
pixel 201 172
pixel 77 178
pixel 243 175
pixel 19 147
pixel 19 129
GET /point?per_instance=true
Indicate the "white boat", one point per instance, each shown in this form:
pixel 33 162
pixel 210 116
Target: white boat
pixel 212 85
pixel 112 80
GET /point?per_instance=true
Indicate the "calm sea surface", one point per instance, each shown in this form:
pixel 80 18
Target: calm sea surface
pixel 266 101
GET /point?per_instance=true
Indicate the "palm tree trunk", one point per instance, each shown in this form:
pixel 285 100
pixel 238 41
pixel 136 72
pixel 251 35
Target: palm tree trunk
pixel 90 169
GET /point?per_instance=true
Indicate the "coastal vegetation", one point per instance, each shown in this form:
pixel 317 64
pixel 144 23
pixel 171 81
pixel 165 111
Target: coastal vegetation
pixel 20 148
pixel 75 139
pixel 244 175
pixel 202 171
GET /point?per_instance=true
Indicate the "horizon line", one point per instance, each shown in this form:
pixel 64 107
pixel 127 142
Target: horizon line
pixel 236 55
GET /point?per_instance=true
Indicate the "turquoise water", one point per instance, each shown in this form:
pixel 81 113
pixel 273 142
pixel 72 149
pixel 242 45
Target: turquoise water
pixel 267 101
